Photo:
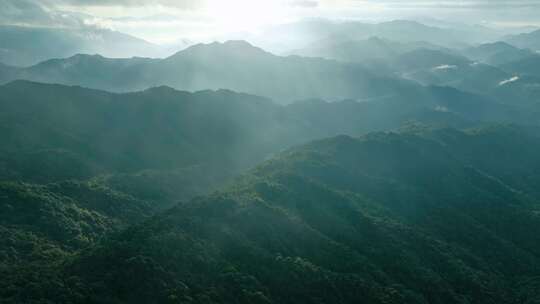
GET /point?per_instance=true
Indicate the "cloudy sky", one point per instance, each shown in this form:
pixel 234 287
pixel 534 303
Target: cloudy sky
pixel 165 21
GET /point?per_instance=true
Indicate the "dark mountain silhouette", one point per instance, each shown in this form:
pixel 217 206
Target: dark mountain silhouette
pixel 54 132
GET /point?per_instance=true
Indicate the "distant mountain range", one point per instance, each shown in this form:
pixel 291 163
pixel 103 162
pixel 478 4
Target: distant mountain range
pixel 376 163
pixel 298 35
pixel 234 65
pixel 497 53
pixel 528 66
pixel 526 40
pixel 239 66
pixel 25 46
pixel 65 42
pixel 373 48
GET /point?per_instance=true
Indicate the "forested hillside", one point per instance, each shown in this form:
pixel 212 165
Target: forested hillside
pixel 419 216
pixel 269 152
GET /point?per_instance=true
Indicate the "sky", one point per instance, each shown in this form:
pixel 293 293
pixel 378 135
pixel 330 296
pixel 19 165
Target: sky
pixel 168 21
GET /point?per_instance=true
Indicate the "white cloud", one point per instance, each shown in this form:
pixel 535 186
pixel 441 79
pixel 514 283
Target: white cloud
pixel 507 81
pixel 445 67
pixel 211 18
pixel 441 109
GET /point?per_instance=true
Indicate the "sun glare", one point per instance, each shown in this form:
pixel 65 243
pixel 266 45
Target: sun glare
pixel 245 15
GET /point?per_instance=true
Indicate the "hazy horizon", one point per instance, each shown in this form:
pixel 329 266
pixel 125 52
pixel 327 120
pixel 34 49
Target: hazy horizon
pixel 269 152
pixel 167 22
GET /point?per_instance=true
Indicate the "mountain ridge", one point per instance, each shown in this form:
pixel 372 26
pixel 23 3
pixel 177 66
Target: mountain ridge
pixel 382 228
pixel 210 66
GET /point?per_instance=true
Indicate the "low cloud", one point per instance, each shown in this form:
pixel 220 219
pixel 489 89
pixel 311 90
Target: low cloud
pixel 441 109
pixel 445 67
pixel 167 20
pixel 507 81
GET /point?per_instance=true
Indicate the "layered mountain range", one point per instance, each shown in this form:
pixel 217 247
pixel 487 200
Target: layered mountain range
pixel 368 163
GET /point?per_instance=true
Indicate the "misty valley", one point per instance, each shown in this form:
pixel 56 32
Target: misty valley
pixel 318 160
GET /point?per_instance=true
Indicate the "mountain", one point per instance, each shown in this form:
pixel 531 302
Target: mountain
pixel 73 132
pixel 78 165
pixel 428 59
pixel 156 143
pixel 527 66
pixel 42 225
pixel 526 40
pixel 54 132
pixel 93 71
pixel 524 82
pixel 508 83
pixel 299 35
pixel 261 73
pixel 241 67
pixel 419 216
pixel 25 46
pixel 373 48
pixel 497 53
pixel 435 67
pixel 234 65
pixel 7 73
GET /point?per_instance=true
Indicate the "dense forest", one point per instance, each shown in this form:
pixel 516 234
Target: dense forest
pixel 390 217
pixel 311 161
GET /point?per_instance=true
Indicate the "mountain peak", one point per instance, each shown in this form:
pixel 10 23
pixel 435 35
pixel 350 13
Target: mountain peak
pixel 401 22
pixel 161 89
pixel 218 48
pixel 237 43
pixel 77 58
pixel 497 45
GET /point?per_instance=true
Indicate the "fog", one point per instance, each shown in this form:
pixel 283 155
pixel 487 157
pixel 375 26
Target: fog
pixel 167 22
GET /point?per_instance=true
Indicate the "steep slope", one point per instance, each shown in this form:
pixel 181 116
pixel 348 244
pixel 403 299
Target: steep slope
pixel 41 226
pixel 422 216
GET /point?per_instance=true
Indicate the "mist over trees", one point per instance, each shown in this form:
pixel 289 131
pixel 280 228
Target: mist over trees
pixel 317 161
